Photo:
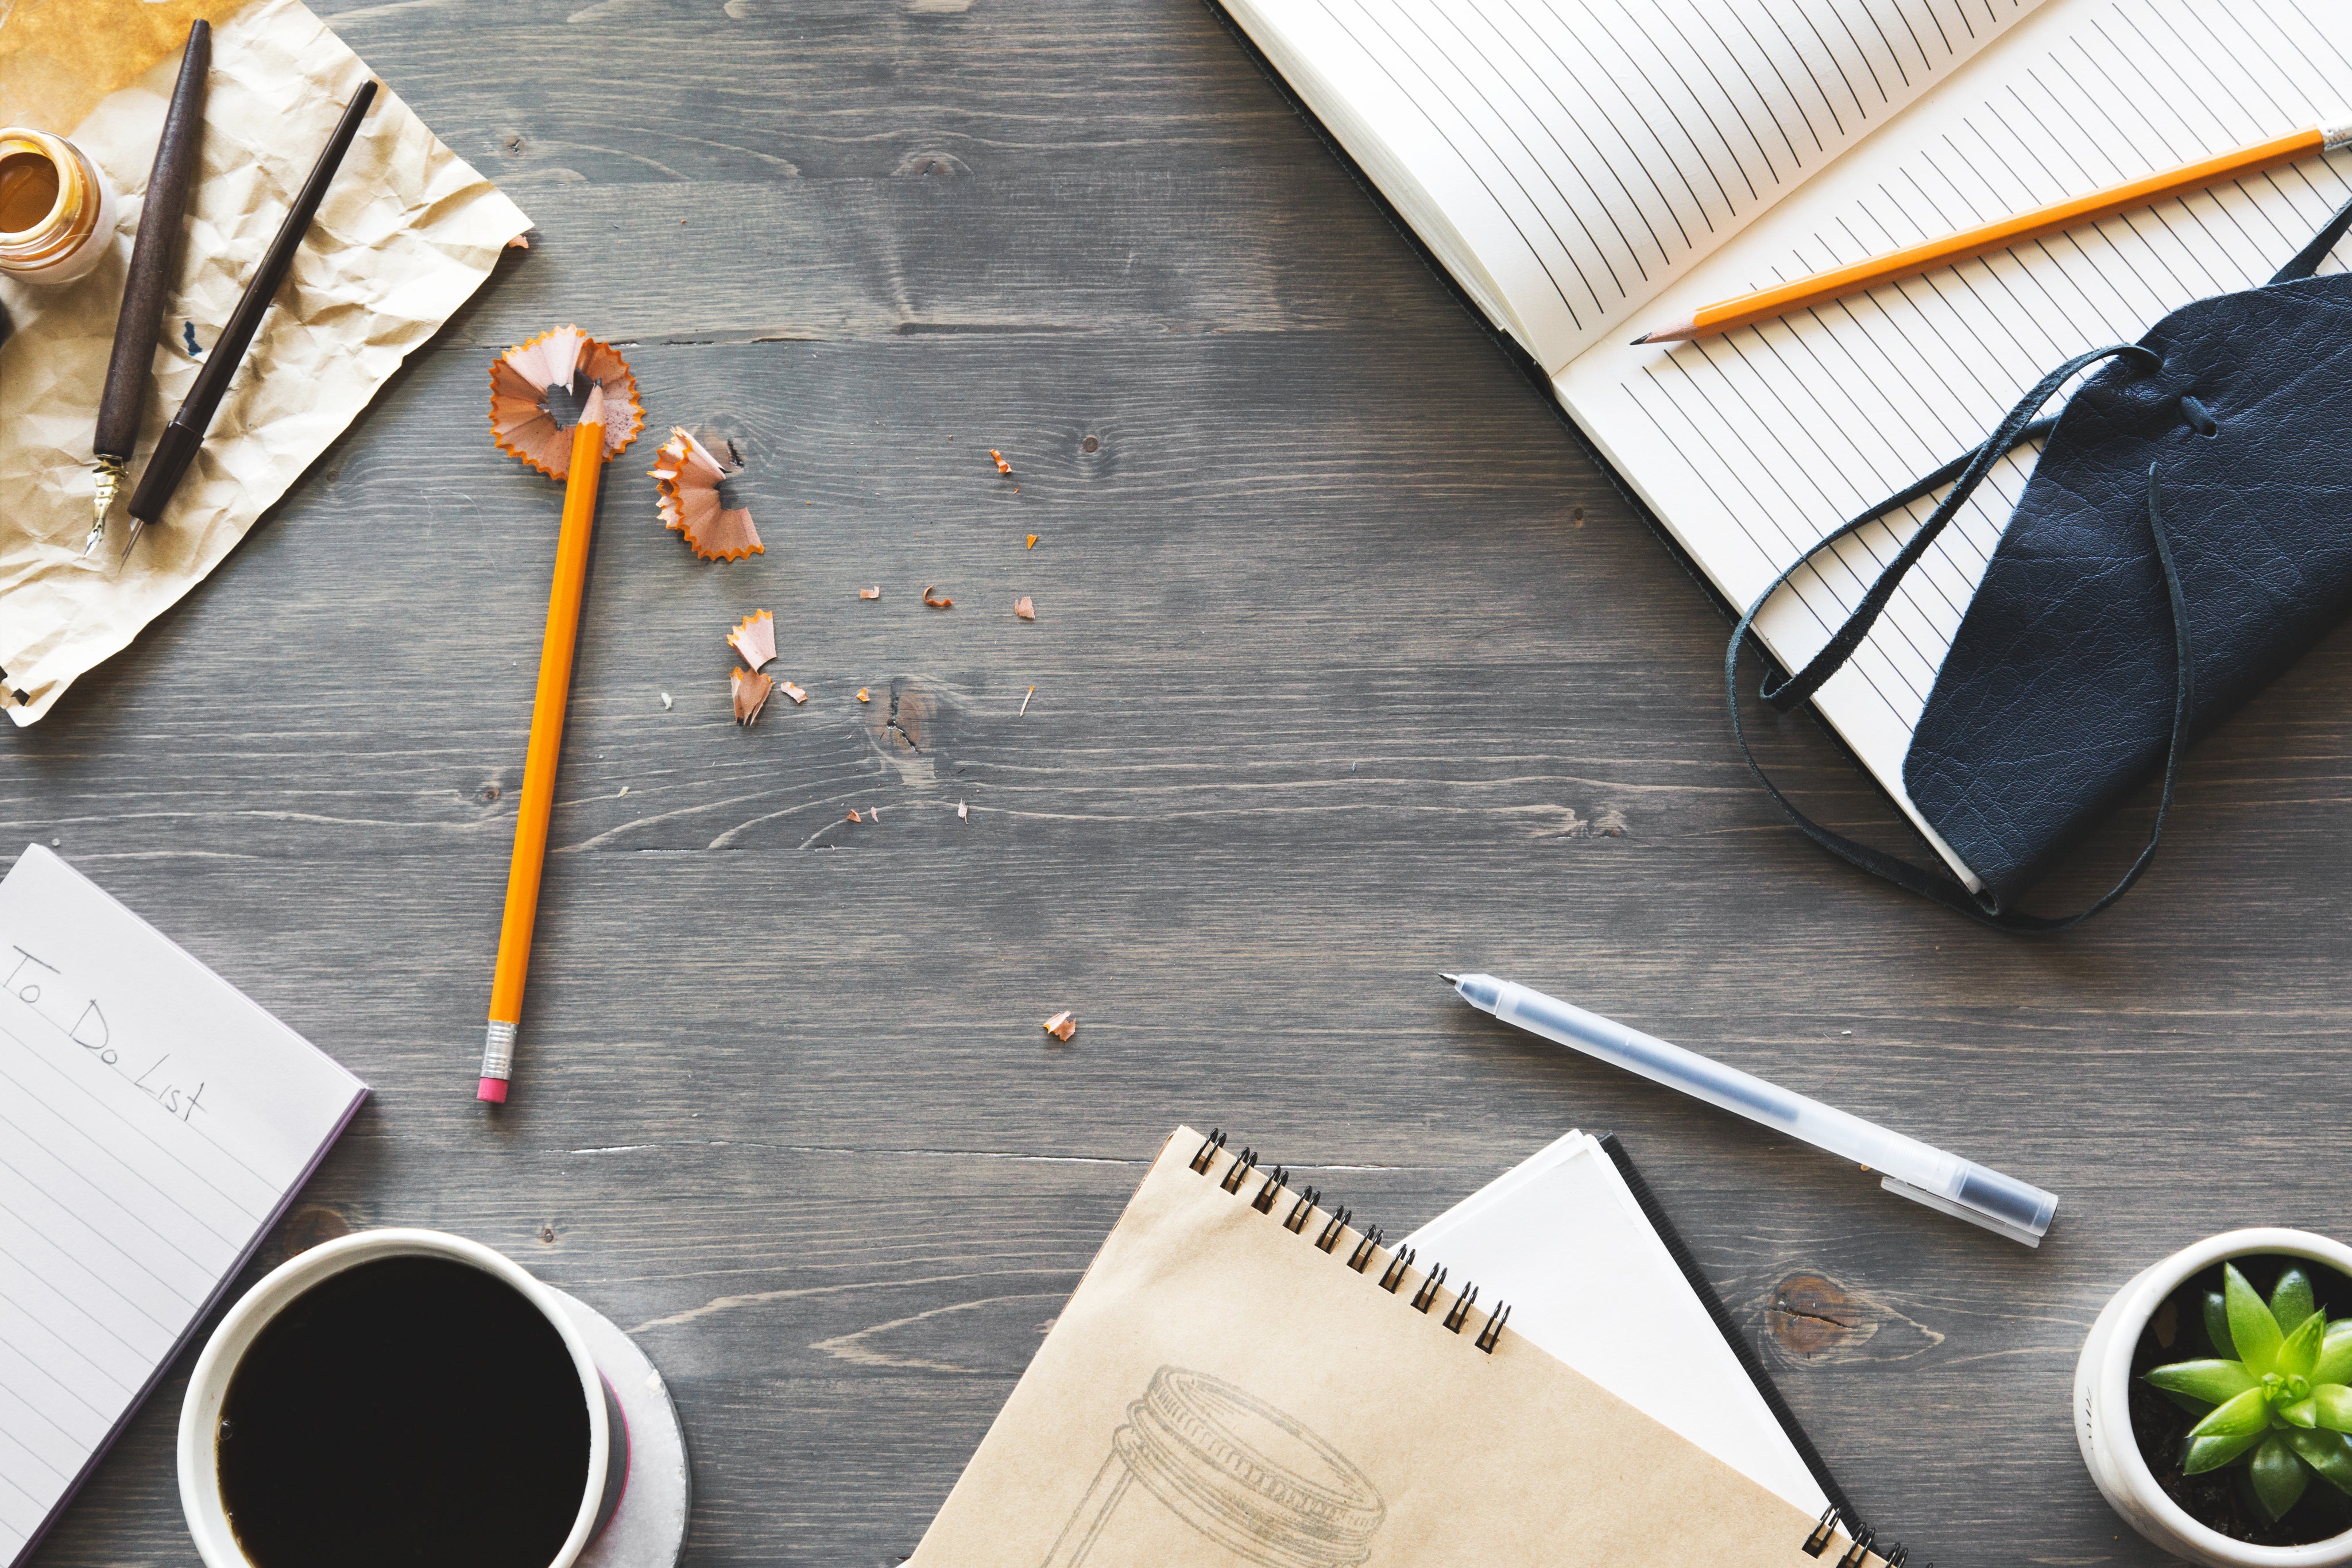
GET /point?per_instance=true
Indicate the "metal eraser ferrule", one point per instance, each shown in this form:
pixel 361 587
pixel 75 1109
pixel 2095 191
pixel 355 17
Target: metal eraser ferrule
pixel 497 1049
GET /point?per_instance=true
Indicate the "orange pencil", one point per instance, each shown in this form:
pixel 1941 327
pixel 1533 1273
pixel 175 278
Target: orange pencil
pixel 1783 299
pixel 518 384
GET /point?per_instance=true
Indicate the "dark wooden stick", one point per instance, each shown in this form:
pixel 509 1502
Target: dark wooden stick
pixel 176 448
pixel 152 256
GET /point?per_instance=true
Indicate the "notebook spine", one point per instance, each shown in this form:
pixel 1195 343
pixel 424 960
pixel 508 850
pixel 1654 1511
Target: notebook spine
pixel 1297 1212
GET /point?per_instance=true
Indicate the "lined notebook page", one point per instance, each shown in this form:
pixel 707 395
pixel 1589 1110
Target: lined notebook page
pixel 1539 1235
pixel 153 1123
pixel 1568 159
pixel 1751 445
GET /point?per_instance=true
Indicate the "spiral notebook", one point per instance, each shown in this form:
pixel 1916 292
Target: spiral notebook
pixel 1584 170
pixel 1245 1377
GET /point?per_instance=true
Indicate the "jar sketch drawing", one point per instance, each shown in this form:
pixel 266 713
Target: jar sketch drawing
pixel 1205 1476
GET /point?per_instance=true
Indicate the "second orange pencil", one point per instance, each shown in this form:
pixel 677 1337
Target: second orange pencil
pixel 1781 300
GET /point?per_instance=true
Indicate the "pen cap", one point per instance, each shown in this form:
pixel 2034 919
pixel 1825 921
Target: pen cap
pixel 2016 1210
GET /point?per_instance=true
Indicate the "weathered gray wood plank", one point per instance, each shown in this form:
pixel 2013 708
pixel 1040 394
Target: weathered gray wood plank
pixel 1346 667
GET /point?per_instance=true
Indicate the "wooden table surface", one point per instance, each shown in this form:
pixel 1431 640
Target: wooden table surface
pixel 1347 667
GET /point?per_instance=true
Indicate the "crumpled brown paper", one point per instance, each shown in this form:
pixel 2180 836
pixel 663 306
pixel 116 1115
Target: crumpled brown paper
pixel 408 230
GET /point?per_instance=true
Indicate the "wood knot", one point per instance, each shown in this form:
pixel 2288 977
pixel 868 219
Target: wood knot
pixel 1811 1314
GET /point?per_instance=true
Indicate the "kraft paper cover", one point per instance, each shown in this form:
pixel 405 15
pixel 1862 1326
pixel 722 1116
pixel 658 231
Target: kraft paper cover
pixel 407 232
pixel 1219 1393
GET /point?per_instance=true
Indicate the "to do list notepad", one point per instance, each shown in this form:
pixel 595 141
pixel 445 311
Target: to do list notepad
pixel 154 1124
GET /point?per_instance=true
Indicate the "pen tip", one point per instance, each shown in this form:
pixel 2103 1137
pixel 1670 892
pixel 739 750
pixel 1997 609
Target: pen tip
pixel 1449 979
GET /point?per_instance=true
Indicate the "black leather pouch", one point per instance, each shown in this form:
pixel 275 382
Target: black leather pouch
pixel 2186 535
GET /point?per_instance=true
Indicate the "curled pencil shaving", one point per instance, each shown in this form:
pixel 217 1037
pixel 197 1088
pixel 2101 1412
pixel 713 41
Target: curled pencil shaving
pixel 795 692
pixel 873 592
pixel 853 816
pixel 1023 609
pixel 535 384
pixel 862 697
pixel 755 639
pixel 1062 1024
pixel 1002 465
pixel 687 478
pixel 752 689
pixel 940 603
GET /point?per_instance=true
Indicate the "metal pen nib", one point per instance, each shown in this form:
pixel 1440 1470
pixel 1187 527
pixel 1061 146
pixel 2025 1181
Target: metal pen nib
pixel 110 475
pixel 135 526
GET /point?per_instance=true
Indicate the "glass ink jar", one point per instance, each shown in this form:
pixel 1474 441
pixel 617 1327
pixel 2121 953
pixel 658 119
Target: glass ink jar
pixel 56 210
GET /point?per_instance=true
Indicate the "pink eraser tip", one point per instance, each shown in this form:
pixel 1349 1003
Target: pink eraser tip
pixel 494 1090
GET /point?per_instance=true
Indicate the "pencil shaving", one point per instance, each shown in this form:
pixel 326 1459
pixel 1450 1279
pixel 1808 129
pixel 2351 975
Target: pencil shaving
pixel 862 697
pixel 795 692
pixel 686 477
pixel 755 639
pixel 751 690
pixel 1032 543
pixel 963 812
pixel 853 816
pixel 873 592
pixel 940 603
pixel 1062 1024
pixel 1023 609
pixel 521 419
pixel 1002 465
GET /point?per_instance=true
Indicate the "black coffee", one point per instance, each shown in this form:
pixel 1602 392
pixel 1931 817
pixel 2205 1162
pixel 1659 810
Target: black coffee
pixel 405 1413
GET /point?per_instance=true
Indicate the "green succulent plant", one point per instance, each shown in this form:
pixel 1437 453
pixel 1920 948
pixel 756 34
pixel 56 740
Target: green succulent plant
pixel 2281 1404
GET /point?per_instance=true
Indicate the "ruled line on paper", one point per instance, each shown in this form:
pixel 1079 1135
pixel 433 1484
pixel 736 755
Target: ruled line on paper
pixel 145 1135
pixel 1760 441
pixel 1616 141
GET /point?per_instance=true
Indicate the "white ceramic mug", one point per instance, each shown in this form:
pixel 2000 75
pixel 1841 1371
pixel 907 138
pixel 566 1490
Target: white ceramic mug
pixel 2103 1406
pixel 200 1415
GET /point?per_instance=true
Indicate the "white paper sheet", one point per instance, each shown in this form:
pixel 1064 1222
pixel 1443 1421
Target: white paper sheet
pixel 1561 1238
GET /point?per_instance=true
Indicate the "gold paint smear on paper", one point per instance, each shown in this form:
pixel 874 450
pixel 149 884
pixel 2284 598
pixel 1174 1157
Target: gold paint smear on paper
pixel 59 58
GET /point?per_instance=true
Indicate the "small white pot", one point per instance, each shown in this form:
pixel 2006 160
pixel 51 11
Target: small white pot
pixel 200 1415
pixel 2102 1412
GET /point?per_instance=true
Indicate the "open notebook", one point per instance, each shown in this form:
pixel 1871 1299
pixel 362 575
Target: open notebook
pixel 154 1124
pixel 1590 169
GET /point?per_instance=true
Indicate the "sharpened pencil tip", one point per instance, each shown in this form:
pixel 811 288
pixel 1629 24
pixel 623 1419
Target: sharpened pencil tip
pixel 1449 979
pixel 1641 339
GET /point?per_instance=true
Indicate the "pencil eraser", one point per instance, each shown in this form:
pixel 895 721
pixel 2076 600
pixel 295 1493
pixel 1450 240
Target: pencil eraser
pixel 493 1090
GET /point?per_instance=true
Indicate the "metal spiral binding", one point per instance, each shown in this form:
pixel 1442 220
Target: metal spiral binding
pixel 1361 1257
pixel 1398 1263
pixel 1301 1209
pixel 1462 1305
pixel 1862 1543
pixel 1819 1540
pixel 1426 1296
